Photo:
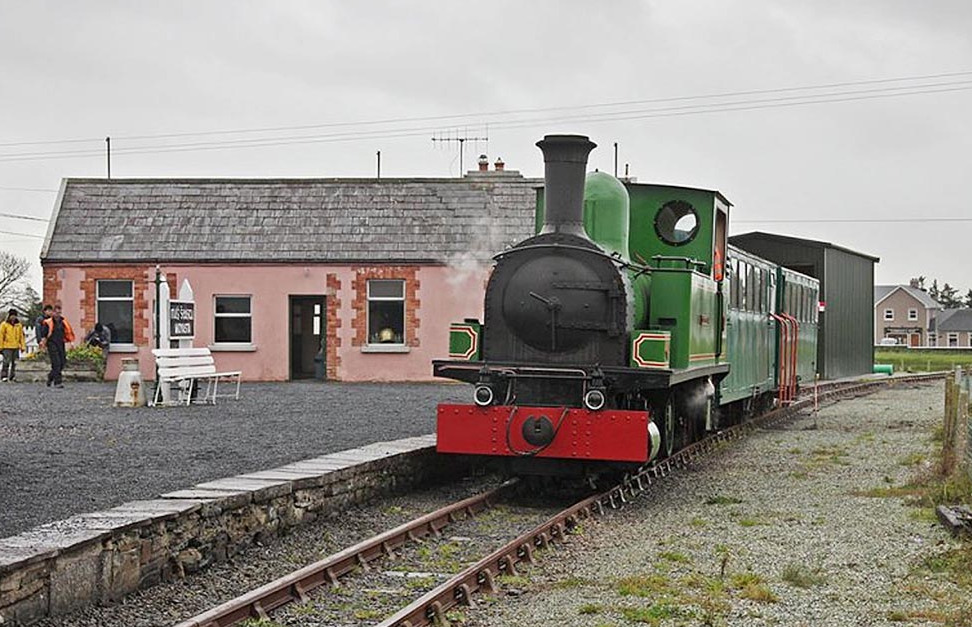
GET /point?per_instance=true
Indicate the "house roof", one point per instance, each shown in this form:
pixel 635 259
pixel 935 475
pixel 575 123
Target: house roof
pixel 270 220
pixel 740 240
pixel 883 291
pixel 954 320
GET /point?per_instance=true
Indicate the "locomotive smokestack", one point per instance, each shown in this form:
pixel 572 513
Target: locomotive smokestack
pixel 565 166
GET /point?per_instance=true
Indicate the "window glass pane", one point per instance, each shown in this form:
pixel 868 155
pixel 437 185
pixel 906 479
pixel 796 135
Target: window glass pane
pixel 381 288
pixel 233 304
pixel 233 330
pixel 386 322
pixel 117 316
pixel 114 289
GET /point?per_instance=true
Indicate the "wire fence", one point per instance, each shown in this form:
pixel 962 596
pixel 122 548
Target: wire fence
pixel 957 432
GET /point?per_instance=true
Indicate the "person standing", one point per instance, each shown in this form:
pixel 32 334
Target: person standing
pixel 39 322
pixel 12 341
pixel 56 332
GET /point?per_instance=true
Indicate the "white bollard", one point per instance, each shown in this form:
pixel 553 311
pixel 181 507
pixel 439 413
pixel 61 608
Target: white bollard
pixel 130 390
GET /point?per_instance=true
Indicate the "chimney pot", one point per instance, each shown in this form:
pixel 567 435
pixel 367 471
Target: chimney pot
pixel 499 165
pixel 483 163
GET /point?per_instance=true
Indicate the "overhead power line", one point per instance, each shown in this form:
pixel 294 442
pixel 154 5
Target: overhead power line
pixel 27 189
pixel 507 112
pixel 746 104
pixel 17 216
pixel 22 234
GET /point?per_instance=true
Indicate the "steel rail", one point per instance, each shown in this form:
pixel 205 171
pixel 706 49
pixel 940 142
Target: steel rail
pixel 294 586
pixel 433 606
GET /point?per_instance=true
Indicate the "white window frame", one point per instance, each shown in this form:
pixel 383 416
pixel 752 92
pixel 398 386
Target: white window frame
pixel 233 346
pixel 387 347
pixel 912 315
pixel 953 336
pixel 121 347
pixel 932 338
pixel 889 315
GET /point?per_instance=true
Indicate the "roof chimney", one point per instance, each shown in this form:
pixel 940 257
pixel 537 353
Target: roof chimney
pixel 499 165
pixel 483 163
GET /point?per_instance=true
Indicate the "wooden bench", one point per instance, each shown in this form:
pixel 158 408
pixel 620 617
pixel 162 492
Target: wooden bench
pixel 188 368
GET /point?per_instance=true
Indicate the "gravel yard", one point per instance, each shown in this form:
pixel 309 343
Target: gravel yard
pixel 776 530
pixel 68 451
pixel 169 603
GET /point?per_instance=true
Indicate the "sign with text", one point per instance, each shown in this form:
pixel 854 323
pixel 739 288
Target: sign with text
pixel 182 320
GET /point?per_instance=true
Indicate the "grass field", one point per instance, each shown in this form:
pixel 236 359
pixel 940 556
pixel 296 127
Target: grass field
pixel 917 360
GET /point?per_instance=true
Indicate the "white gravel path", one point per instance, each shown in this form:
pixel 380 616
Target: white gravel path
pixel 783 499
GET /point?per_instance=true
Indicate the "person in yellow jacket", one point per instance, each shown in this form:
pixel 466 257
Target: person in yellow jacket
pixel 55 333
pixel 12 341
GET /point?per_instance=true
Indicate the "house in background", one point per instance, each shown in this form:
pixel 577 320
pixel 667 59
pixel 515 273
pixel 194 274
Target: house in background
pixel 954 328
pixel 365 274
pixel 906 314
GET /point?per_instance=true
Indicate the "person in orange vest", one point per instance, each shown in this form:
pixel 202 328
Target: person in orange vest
pixel 12 342
pixel 56 332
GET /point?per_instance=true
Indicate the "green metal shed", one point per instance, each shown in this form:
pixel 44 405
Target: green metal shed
pixel 845 344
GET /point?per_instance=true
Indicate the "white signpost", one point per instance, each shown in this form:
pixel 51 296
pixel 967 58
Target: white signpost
pixel 177 321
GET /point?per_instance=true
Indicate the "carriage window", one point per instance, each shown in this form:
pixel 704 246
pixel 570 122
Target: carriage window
pixel 677 223
pixel 734 284
pixel 742 285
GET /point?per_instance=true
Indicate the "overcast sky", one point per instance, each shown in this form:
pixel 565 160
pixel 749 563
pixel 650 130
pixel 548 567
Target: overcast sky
pixel 86 70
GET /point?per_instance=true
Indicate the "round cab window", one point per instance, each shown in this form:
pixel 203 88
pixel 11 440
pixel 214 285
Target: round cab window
pixel 676 222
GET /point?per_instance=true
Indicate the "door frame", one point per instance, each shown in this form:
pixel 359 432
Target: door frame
pixel 318 299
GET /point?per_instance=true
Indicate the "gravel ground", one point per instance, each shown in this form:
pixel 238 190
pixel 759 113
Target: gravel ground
pixel 780 502
pixel 68 451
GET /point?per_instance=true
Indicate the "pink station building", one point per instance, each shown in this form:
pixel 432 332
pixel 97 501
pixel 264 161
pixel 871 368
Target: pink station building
pixel 355 278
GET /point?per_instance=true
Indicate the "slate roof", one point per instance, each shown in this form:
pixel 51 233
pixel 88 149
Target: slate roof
pixel 273 220
pixel 954 320
pixel 883 291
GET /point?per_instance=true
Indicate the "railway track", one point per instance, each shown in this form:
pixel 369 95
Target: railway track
pixel 461 589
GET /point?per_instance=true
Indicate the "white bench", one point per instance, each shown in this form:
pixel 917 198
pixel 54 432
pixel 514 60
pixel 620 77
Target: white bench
pixel 189 367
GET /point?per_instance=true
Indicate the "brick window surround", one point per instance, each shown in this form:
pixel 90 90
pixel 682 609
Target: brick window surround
pixel 141 278
pixel 333 323
pixel 359 322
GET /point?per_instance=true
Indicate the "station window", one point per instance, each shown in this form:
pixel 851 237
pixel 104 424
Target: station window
pixel 953 339
pixel 912 315
pixel 386 311
pixel 932 339
pixel 116 310
pixel 889 314
pixel 232 320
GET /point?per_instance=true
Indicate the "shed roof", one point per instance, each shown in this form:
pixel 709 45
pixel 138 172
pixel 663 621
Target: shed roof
pixel 954 320
pixel 756 235
pixel 883 291
pixel 273 220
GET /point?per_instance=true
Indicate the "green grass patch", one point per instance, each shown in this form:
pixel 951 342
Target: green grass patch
pixel 697 522
pixel 513 581
pixel 758 592
pixel 747 521
pixel 590 608
pixel 652 615
pixel 643 585
pixel 916 360
pixel 741 580
pixel 675 556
